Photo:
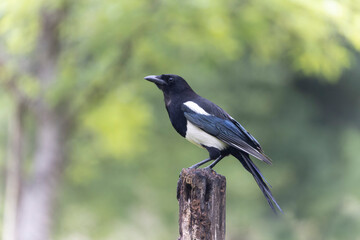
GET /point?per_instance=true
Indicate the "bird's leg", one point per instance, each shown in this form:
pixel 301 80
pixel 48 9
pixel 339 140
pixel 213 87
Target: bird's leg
pixel 195 166
pixel 215 162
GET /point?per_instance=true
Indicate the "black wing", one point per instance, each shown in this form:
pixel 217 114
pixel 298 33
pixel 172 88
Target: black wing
pixel 217 111
pixel 227 131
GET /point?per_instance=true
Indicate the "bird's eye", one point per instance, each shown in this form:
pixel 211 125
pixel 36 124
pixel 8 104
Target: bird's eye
pixel 171 80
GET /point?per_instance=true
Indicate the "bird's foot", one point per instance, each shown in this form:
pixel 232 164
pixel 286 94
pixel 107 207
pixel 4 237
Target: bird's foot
pixel 195 166
pixel 215 162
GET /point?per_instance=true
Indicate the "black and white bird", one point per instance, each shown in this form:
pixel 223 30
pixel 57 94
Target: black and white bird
pixel 207 125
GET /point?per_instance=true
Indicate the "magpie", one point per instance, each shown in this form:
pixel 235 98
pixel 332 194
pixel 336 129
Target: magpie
pixel 208 126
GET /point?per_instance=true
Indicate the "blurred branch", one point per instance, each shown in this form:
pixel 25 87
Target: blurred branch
pixel 48 45
pixel 18 94
pixel 13 179
pixel 97 92
pixel 37 205
pixel 11 85
pixel 42 64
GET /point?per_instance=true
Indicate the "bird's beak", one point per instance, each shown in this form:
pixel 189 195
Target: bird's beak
pixel 155 79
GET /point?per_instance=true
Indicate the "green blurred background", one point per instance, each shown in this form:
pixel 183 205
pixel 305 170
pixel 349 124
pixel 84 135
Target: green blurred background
pixel 87 150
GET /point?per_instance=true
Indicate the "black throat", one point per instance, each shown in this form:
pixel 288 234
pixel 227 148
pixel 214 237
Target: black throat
pixel 173 104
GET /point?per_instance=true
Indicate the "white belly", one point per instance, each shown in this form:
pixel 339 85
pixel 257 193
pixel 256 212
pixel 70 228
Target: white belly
pixel 200 138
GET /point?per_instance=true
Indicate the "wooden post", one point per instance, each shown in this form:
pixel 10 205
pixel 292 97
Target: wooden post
pixel 201 196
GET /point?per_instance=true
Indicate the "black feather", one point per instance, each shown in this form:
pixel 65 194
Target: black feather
pixel 226 131
pixel 260 180
pixel 217 111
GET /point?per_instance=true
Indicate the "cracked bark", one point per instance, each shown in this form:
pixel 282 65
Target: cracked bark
pixel 201 196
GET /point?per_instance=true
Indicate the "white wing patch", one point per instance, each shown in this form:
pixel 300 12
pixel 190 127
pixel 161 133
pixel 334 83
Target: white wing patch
pixel 196 108
pixel 200 138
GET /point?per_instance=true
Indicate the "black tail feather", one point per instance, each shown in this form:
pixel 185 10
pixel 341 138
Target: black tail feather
pixel 259 178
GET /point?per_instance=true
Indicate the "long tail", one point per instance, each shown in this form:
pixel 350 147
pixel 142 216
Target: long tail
pixel 259 178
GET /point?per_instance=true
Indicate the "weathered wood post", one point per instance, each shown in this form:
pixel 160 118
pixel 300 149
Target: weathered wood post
pixel 201 196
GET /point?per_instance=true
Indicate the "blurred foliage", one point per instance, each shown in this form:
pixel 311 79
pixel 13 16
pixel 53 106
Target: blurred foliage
pixel 116 120
pixel 287 70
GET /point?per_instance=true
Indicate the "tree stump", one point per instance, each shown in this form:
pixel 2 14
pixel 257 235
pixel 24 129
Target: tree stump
pixel 201 196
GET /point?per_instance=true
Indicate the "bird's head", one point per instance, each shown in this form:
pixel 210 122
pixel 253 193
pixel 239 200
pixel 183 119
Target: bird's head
pixel 169 83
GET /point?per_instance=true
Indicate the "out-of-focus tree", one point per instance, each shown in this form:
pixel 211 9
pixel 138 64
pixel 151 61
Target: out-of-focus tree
pixel 68 67
pixel 55 72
